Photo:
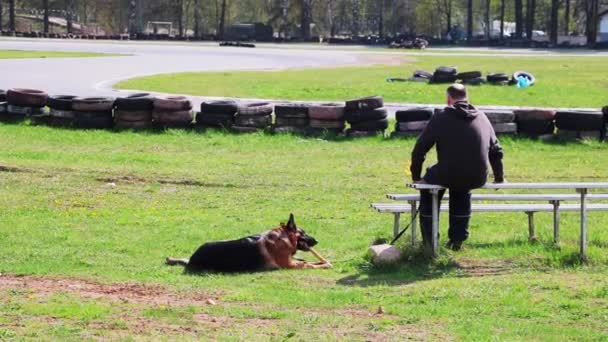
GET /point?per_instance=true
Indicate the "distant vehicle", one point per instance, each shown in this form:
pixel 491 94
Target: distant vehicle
pixel 250 32
pixel 416 43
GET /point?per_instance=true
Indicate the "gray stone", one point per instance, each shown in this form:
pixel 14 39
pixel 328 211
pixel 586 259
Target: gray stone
pixel 383 254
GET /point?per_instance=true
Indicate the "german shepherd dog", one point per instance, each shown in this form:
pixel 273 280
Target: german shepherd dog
pixel 271 250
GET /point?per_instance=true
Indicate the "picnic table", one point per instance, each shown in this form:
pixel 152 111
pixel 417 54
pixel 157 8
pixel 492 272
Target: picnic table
pixel 582 188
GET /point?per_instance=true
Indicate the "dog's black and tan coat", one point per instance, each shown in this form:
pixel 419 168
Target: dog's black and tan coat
pixel 273 249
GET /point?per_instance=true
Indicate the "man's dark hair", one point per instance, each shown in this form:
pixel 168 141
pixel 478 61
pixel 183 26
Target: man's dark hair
pixel 457 92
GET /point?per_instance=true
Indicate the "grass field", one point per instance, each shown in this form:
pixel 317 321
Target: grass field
pixel 561 82
pixel 18 54
pixel 87 218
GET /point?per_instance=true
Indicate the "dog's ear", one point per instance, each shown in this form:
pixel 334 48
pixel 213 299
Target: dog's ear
pixel 291 224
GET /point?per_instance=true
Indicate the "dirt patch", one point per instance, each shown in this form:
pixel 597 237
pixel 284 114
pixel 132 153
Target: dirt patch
pixel 484 268
pixel 5 168
pixel 125 292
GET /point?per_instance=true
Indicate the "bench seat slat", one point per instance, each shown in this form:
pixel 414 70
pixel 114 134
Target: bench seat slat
pixel 406 208
pixel 509 197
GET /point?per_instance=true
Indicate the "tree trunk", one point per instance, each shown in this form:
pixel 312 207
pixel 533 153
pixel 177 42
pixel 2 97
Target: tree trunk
pixel 356 17
pixel 11 15
pixel 592 11
pixel 45 8
pixel 567 17
pixel 469 20
pixel 448 14
pixel 381 18
pixel 69 8
pixel 530 15
pixel 180 17
pixel 222 20
pixel 198 32
pixel 502 19
pixel 1 14
pixel 488 23
pixel 305 20
pixel 330 18
pixel 518 19
pixel 554 23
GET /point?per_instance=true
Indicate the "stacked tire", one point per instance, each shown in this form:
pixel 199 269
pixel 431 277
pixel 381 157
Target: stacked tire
pixel 133 111
pixel 366 116
pixel 61 112
pixel 536 123
pixel 253 117
pixel 421 76
pixel 580 124
pixel 411 122
pixel 172 112
pixel 471 78
pixel 219 114
pixel 326 118
pixel 444 74
pixel 93 112
pixel 503 121
pixel 23 103
pixel 291 118
pixel 497 79
pixel 3 103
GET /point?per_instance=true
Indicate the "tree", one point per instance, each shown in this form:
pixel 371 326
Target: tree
pixel 530 15
pixel 445 7
pixel 592 16
pixel 222 21
pixel 70 11
pixel 11 15
pixel 488 23
pixel 502 19
pixel 1 14
pixel 45 7
pixel 518 19
pixel 469 20
pixel 198 31
pixel 179 13
pixel 553 23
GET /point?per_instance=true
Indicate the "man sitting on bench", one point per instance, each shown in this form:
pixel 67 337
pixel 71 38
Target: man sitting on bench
pixel 465 142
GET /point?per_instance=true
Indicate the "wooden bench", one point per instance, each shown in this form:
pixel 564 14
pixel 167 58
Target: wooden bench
pixel 553 205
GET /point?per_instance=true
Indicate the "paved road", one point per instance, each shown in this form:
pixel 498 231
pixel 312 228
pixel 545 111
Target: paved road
pixel 88 76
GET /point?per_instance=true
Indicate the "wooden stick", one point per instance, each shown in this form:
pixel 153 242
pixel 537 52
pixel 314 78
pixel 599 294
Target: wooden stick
pixel 322 259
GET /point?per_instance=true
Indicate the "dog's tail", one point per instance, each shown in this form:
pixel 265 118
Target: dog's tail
pixel 175 261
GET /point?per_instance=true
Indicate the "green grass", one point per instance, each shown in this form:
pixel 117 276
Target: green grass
pixel 18 54
pixel 561 82
pixel 60 216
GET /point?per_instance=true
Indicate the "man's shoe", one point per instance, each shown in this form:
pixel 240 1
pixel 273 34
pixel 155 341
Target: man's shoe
pixel 455 245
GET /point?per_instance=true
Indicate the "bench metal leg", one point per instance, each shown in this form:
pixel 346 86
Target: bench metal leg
pixel 531 229
pixel 555 222
pixel 583 242
pixel 413 220
pixel 396 224
pixel 435 231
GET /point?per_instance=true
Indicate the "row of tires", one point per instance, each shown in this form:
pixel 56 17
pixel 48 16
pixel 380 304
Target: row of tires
pixel 447 74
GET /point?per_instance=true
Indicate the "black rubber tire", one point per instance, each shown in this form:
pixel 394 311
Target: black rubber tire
pixel 93 120
pixel 474 81
pixel 246 129
pixel 176 117
pixel 259 121
pixel 132 115
pixel 419 79
pixel 282 121
pixel 326 111
pixel 467 75
pixel 496 116
pixel 446 70
pixel 26 97
pixel 289 130
pixel 291 110
pixel 255 109
pixel 580 121
pixel 605 111
pixel 135 102
pixel 228 107
pixel 2 95
pixel 375 125
pixel 132 125
pixel 371 102
pixel 172 103
pixel 21 110
pixel 93 104
pixel 3 106
pixel 355 116
pixel 422 74
pixel 523 73
pixel 361 134
pixel 327 124
pixel 60 102
pixel 411 126
pixel 414 114
pixel 443 78
pixel 215 120
pixel 324 132
pixel 535 127
pixel 497 77
pixel 534 114
pixel 505 128
pixel 57 121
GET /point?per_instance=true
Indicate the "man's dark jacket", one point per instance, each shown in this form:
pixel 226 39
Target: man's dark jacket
pixel 466 144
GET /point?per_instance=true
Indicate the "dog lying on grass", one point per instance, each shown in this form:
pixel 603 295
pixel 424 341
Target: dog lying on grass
pixel 271 250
